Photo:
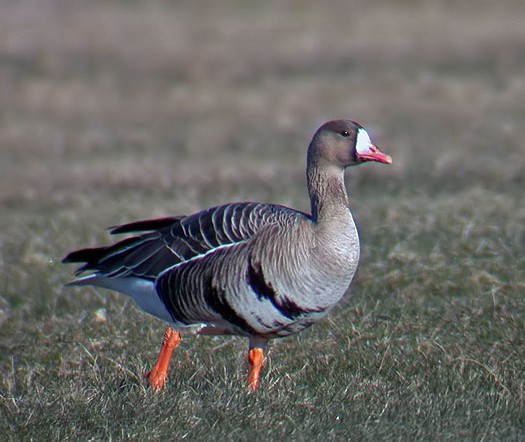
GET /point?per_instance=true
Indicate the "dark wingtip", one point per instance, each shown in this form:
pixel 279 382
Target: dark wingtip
pixel 69 258
pixel 83 255
pixel 144 226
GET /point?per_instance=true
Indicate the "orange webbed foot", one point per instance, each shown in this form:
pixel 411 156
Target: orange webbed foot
pixel 255 361
pixel 157 375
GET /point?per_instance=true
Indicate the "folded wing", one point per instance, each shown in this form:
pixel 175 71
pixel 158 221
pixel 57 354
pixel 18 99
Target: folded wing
pixel 167 242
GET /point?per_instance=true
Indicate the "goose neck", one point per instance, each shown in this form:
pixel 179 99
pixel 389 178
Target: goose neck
pixel 326 187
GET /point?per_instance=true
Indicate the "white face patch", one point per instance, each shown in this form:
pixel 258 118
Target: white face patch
pixel 363 143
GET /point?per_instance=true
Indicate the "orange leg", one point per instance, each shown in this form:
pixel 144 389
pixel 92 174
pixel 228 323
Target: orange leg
pixel 157 375
pixel 255 360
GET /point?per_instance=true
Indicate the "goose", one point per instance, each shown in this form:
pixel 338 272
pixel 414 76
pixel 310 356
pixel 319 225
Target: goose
pixel 260 271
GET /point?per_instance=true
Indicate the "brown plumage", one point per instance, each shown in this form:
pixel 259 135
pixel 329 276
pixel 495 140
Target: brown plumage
pixel 257 270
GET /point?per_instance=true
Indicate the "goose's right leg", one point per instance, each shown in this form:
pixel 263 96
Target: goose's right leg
pixel 255 361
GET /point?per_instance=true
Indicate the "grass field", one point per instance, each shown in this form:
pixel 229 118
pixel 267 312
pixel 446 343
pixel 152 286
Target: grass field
pixel 112 111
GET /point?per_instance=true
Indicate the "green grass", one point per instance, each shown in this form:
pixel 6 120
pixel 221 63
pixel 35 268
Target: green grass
pixel 149 109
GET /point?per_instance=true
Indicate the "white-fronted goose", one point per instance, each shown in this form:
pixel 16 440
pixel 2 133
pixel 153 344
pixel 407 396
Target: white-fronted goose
pixel 257 270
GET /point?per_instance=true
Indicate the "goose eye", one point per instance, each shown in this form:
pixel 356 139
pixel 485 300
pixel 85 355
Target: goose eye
pixel 345 133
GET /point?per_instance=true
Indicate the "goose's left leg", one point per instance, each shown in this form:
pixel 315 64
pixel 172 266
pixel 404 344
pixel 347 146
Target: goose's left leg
pixel 157 375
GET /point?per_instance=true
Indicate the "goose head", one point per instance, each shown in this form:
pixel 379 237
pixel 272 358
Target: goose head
pixel 344 143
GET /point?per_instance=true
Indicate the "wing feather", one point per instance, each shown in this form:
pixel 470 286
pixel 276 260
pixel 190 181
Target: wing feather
pixel 168 242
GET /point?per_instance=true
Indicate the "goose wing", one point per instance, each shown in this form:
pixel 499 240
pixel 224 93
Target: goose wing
pixel 166 242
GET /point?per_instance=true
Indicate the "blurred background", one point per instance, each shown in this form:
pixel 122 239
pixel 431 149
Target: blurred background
pixel 158 95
